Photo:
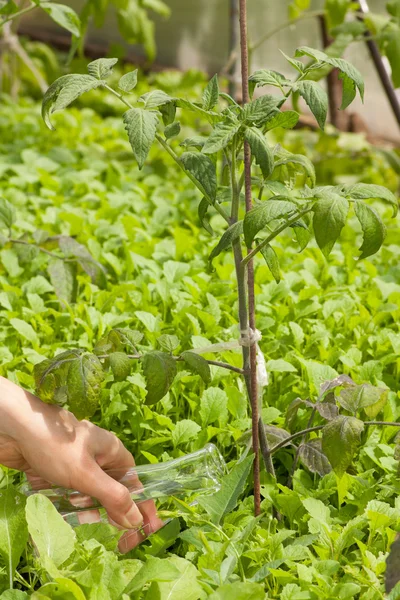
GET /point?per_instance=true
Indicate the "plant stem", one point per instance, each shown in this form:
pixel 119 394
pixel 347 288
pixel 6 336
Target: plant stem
pixel 297 455
pixel 273 235
pixel 175 157
pixel 17 14
pixel 250 270
pixel 215 363
pixel 52 254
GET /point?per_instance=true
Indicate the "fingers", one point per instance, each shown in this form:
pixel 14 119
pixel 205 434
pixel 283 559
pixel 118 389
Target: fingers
pixel 113 496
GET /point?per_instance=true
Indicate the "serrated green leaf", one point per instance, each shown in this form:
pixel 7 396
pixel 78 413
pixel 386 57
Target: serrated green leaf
pixel 125 338
pixel 172 130
pixel 211 94
pixel 231 234
pixel 203 170
pixel 128 81
pixel 13 529
pixel 348 70
pixel 261 215
pixel 7 213
pixel 102 67
pixel 299 159
pixel 316 98
pixel 365 191
pixel 373 228
pixel 286 119
pixel 220 137
pixel 64 91
pixel 257 112
pixel 120 365
pixel 63 15
pixel 159 369
pixel 340 441
pixel 141 126
pixel 52 536
pixel 84 379
pixel 225 500
pixel 213 406
pixel 261 151
pixel 198 365
pixel 154 99
pixel 168 342
pixel 330 214
pixel 356 397
pixel 313 457
pixel 184 431
pixel 265 77
pixel 270 257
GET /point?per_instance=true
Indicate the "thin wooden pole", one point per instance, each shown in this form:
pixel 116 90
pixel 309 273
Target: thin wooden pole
pixel 233 43
pixel 250 267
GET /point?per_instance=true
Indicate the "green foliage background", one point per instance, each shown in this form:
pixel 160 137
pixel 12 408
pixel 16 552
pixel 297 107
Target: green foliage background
pixel 323 318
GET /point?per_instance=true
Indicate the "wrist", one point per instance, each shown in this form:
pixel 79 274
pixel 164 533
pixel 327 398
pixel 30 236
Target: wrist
pixel 16 408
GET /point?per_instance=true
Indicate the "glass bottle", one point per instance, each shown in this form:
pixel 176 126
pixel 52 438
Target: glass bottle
pixel 186 477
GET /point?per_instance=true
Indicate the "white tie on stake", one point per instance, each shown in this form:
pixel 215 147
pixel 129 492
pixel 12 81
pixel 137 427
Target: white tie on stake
pixel 247 338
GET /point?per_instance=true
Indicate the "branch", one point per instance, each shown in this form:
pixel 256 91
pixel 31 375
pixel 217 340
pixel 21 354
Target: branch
pixel 17 14
pixel 52 254
pixel 215 363
pixel 282 26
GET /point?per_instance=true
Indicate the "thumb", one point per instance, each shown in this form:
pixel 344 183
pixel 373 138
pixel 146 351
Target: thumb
pixel 114 497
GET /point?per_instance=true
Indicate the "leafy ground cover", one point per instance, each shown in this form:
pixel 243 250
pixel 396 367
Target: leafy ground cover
pixel 149 272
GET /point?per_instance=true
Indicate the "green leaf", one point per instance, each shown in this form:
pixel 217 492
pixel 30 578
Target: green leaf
pixel 265 77
pixel 357 397
pixel 239 591
pixel 316 99
pixel 25 330
pixel 169 343
pixel 172 130
pixel 262 152
pixel 63 15
pixel 257 112
pixel 183 587
pixel 364 191
pixel 184 431
pixel 125 338
pixel 286 119
pixel 340 441
pixel 70 247
pixel 63 277
pixel 347 69
pixel 59 589
pixel 13 529
pixel 128 81
pixel 198 365
pixel 84 379
pixel 336 11
pixel 7 213
pixel 280 366
pixel 220 137
pixel 106 534
pixel 120 365
pixel 203 170
pixel 213 406
pixel 155 569
pixel 52 536
pixel 159 370
pixel 204 205
pixel 330 215
pixel 313 457
pixel 270 257
pixel 14 595
pixel 374 230
pixel 64 91
pixel 264 213
pixel 141 126
pixel 225 500
pixel 155 98
pixel 231 234
pixel 211 94
pixel 102 67
pixel 299 159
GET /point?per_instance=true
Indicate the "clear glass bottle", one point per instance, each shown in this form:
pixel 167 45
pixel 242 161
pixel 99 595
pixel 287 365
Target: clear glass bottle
pixel 187 477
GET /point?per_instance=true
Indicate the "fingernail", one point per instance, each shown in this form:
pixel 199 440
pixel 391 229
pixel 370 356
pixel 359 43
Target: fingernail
pixel 133 518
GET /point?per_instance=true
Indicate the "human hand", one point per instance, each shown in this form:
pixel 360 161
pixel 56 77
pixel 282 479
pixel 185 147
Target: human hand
pixel 49 444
